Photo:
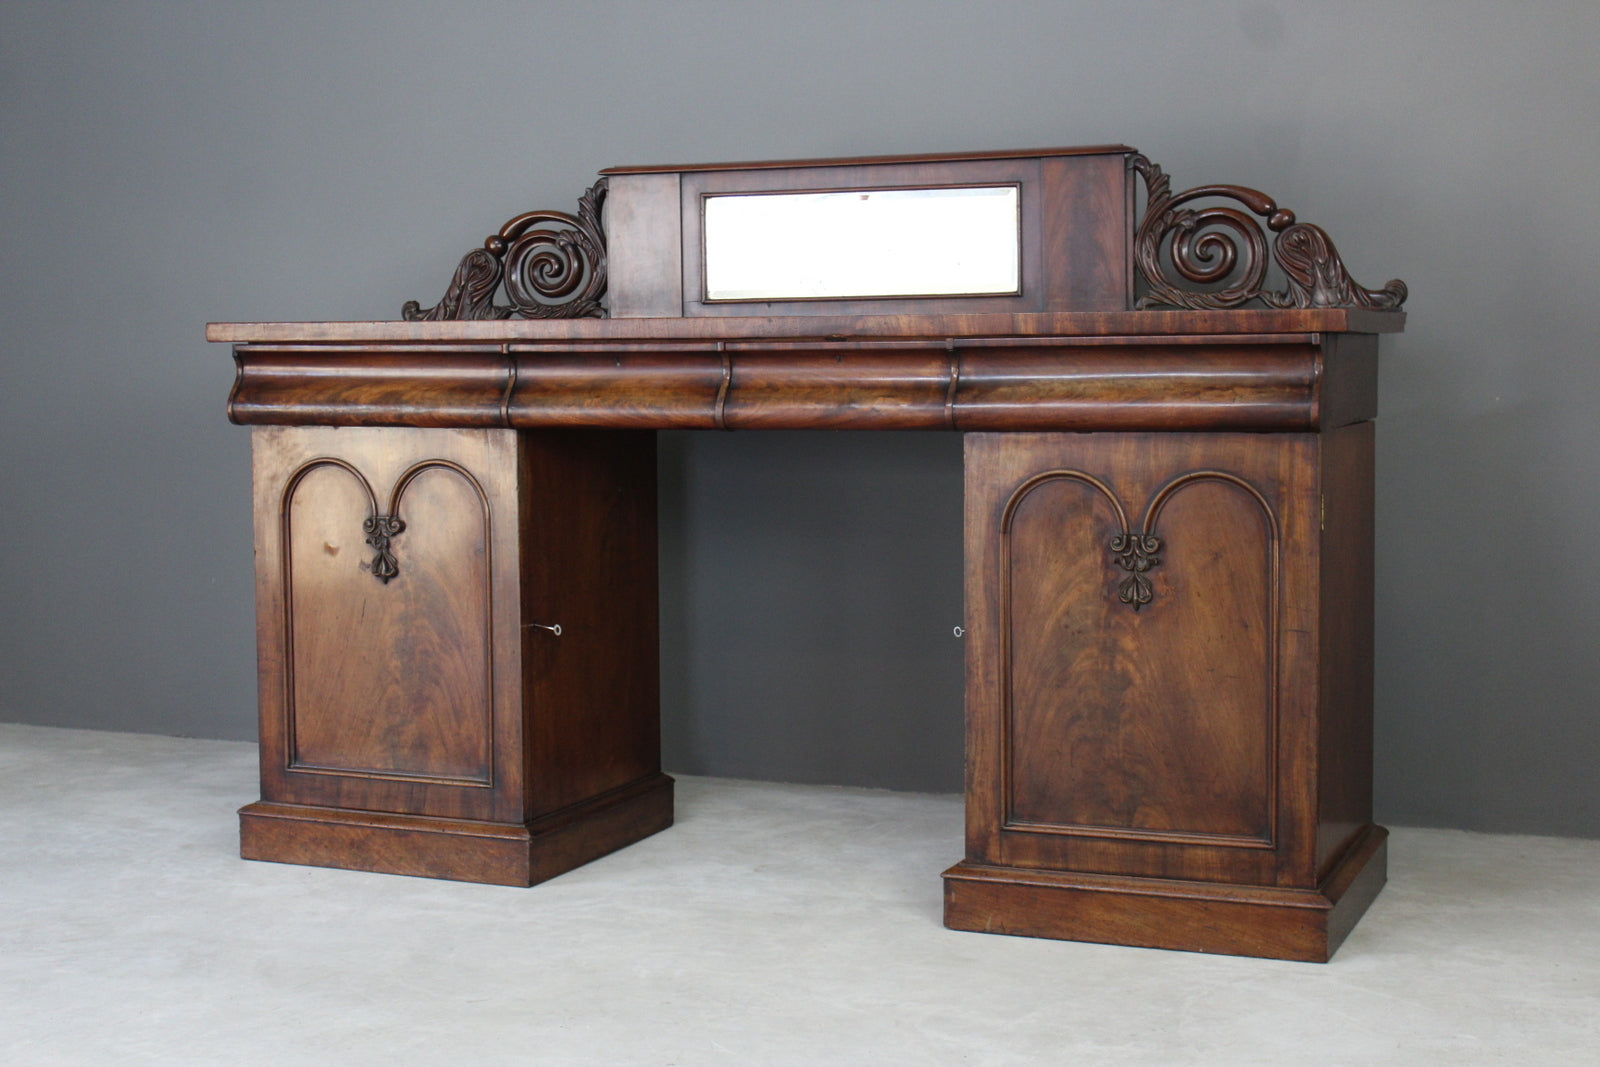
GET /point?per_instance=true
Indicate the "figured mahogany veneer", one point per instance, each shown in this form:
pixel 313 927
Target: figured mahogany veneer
pixel 1076 224
pixel 1245 370
pixel 1168 542
pixel 429 721
pixel 1143 756
pixel 1169 734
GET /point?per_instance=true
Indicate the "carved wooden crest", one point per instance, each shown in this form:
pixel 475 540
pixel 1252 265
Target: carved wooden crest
pixel 1218 253
pixel 552 264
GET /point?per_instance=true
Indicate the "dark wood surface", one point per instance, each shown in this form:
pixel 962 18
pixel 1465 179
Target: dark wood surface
pixel 1079 248
pixel 1241 920
pixel 1083 324
pixel 1190 382
pixel 1153 741
pixel 1168 535
pixel 1208 726
pixel 1345 642
pixel 858 161
pixel 437 693
pixel 1075 225
pixel 1192 774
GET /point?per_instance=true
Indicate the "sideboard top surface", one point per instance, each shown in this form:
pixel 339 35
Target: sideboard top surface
pixel 1066 325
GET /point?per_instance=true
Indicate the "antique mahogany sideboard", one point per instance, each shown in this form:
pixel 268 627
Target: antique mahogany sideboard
pixel 1168 531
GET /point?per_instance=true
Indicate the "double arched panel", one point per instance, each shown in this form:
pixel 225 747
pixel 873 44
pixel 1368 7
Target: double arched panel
pixel 389 678
pixel 1149 719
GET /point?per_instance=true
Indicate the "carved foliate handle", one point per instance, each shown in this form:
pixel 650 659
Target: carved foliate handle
pixel 379 530
pixel 1136 554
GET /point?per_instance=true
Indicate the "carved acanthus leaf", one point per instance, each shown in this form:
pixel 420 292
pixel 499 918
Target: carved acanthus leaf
pixel 1136 554
pixel 552 264
pixel 1218 253
pixel 379 530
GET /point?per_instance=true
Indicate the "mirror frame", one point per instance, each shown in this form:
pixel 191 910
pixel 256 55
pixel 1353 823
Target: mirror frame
pixel 1075 228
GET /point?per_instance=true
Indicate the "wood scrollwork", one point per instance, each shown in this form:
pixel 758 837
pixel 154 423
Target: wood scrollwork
pixel 379 529
pixel 1217 253
pixel 552 264
pixel 1136 554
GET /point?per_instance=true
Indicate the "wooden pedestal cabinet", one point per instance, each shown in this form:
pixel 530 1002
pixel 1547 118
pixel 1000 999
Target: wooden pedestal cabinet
pixel 1168 530
pixel 458 650
pixel 1169 689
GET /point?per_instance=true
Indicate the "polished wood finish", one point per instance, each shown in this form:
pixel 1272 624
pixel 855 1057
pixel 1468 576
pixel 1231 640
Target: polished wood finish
pixel 891 380
pixel 1239 920
pixel 1215 732
pixel 1193 252
pixel 645 228
pixel 882 160
pixel 1154 323
pixel 552 265
pixel 1169 544
pixel 1189 770
pixel 1076 218
pixel 1076 230
pixel 438 697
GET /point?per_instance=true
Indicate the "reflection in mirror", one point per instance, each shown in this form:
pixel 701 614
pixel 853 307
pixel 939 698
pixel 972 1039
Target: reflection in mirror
pixel 953 241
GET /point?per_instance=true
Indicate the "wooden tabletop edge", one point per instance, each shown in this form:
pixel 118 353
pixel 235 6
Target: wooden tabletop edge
pixel 1065 324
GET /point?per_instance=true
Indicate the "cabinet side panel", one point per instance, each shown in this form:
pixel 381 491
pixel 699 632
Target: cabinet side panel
pixel 1088 259
pixel 643 246
pixel 593 707
pixel 1344 772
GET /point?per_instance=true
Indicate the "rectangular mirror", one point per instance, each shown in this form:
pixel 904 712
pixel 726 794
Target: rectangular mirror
pixel 849 243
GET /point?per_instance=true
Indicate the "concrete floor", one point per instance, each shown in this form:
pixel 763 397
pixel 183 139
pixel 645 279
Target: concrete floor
pixel 773 925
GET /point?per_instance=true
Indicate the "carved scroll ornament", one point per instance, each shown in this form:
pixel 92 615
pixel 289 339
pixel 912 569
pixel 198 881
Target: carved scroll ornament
pixel 1218 258
pixel 379 529
pixel 552 264
pixel 1136 554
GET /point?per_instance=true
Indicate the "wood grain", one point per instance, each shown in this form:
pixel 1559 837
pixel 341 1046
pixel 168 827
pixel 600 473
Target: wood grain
pixel 644 246
pixel 1151 323
pixel 857 161
pixel 1195 382
pixel 389 679
pixel 1291 924
pixel 1155 724
pixel 438 695
pixel 1188 767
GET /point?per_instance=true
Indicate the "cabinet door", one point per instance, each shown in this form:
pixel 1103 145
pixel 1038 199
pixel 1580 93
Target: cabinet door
pixel 1142 653
pixel 387 583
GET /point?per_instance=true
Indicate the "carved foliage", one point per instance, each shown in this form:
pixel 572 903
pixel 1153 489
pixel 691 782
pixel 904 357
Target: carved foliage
pixel 379 529
pixel 1136 553
pixel 1133 550
pixel 552 265
pixel 1217 253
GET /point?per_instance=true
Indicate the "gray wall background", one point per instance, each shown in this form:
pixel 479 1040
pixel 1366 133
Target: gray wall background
pixel 165 164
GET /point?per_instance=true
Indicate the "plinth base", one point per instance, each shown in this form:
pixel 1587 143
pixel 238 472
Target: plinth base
pixel 1265 921
pixel 459 849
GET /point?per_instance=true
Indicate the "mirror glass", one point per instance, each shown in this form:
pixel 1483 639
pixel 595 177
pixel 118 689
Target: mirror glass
pixel 952 241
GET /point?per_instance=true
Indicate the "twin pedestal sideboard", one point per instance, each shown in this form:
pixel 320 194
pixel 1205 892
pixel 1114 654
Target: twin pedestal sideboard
pixel 1168 538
